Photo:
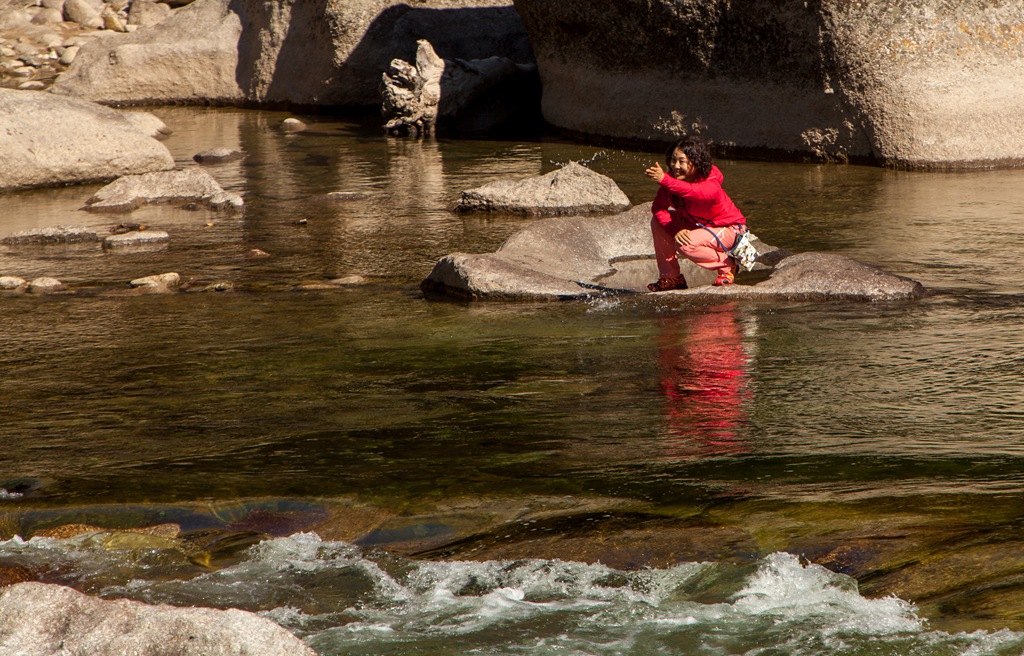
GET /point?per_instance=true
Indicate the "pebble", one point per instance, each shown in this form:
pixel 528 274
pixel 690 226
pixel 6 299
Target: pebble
pixel 293 125
pixel 45 285
pixel 69 54
pixel 12 282
pixel 162 281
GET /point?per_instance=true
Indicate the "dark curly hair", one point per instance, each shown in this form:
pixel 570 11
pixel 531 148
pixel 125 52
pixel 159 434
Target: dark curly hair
pixel 696 151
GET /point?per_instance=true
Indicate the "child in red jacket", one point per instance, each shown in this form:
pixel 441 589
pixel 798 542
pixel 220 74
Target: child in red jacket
pixel 692 215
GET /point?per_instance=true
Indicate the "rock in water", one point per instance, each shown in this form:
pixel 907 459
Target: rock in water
pixel 572 257
pixel 572 189
pixel 190 185
pixel 39 619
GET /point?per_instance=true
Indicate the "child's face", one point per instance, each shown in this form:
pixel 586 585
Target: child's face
pixel 680 166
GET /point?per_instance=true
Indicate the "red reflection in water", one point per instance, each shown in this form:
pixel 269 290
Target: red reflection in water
pixel 704 373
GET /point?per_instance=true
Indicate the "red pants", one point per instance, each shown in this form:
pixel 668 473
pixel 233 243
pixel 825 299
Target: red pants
pixel 703 250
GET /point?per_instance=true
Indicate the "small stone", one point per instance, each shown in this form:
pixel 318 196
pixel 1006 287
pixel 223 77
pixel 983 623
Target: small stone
pixel 11 283
pixel 255 253
pixel 293 125
pixel 215 155
pixel 45 285
pixel 32 85
pixel 69 55
pixel 127 226
pixel 159 281
pixel 111 21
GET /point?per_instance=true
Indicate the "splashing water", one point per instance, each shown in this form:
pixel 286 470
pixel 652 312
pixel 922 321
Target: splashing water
pixel 342 600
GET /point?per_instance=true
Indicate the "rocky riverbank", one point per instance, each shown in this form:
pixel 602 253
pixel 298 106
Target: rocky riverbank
pixel 921 84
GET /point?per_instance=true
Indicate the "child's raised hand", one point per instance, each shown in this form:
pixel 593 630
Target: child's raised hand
pixel 655 172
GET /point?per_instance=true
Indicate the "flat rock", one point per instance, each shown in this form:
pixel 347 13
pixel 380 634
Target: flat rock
pixel 51 235
pixel 575 257
pixel 136 238
pixel 572 189
pixel 39 619
pixel 189 185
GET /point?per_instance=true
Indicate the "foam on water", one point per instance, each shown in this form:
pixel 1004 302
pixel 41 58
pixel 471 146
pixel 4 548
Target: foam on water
pixel 342 600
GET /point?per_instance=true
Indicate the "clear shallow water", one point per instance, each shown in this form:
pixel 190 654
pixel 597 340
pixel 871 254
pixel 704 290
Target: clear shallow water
pixel 882 439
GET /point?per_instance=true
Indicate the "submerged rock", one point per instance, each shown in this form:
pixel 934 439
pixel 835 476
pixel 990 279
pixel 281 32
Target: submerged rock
pixel 51 235
pixel 136 238
pixel 39 619
pixel 572 189
pixel 215 155
pixel 190 185
pixel 565 258
pixel 340 196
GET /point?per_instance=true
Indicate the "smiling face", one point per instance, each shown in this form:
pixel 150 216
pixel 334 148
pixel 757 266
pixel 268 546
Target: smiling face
pixel 680 166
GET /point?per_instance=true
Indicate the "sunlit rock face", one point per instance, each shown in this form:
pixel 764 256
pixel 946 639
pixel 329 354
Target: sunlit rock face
pixel 904 83
pixel 49 141
pixel 321 52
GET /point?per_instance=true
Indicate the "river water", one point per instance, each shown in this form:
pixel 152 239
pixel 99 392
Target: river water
pixel 383 473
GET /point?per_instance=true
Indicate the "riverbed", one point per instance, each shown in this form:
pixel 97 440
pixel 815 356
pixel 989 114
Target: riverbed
pixel 385 473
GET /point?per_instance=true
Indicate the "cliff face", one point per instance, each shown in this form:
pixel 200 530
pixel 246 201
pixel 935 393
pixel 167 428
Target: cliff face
pixel 289 52
pixel 909 83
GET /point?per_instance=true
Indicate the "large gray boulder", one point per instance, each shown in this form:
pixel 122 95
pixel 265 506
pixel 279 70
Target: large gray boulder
pixel 38 619
pixel 189 57
pixel 47 141
pixel 572 257
pixel 571 189
pixel 315 52
pixel 916 84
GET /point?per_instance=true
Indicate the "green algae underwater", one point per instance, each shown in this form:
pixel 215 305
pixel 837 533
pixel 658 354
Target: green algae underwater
pixel 385 473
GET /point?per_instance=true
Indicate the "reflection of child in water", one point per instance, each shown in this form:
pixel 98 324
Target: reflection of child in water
pixel 692 215
pixel 704 380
